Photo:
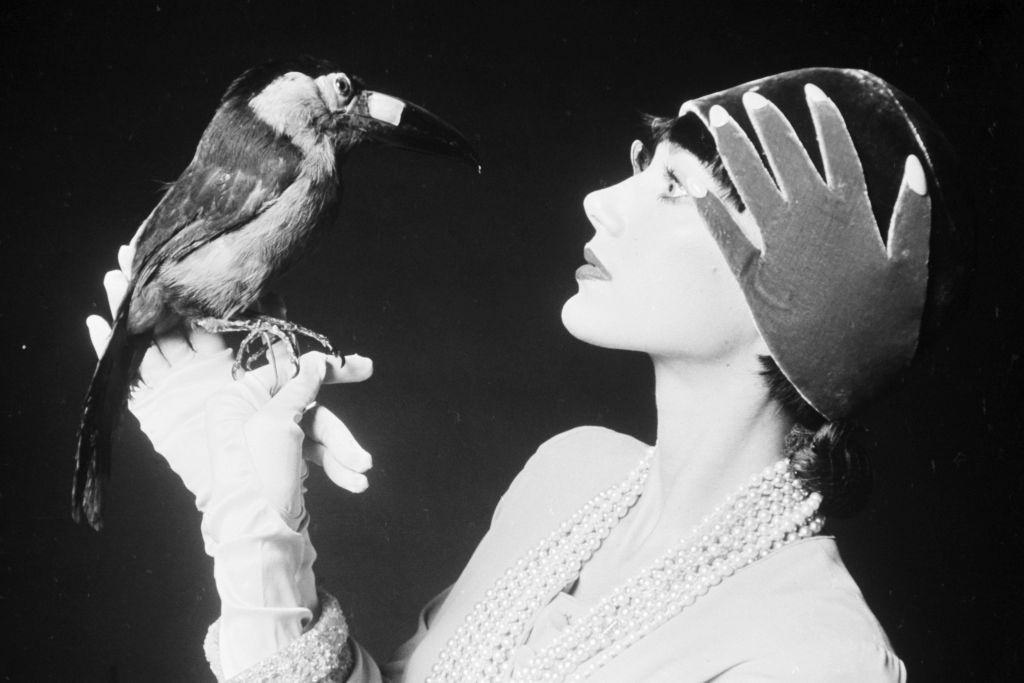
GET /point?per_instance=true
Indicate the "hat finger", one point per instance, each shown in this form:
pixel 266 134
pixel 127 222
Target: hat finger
pixel 794 171
pixel 738 250
pixel 910 227
pixel 843 169
pixel 748 174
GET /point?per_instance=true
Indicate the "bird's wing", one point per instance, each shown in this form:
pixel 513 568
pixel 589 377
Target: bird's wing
pixel 238 172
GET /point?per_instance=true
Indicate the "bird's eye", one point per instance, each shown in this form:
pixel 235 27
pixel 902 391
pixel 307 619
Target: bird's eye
pixel 343 85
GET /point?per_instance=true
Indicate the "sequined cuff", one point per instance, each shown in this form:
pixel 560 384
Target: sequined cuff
pixel 321 654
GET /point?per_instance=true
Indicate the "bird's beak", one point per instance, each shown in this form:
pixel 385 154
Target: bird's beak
pixel 392 121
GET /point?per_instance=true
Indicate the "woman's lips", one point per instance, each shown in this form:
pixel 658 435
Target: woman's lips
pixel 594 269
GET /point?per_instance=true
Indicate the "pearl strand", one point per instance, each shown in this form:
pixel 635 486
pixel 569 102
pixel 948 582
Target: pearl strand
pixel 769 512
pixel 481 648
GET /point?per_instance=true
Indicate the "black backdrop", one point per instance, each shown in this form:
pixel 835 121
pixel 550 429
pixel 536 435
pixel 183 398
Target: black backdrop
pixel 453 283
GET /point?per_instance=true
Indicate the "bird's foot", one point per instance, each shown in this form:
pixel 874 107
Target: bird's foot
pixel 264 331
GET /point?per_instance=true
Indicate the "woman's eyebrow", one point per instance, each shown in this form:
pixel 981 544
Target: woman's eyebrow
pixel 670 174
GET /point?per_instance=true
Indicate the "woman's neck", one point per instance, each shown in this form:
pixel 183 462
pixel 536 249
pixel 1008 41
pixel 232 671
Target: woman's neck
pixel 717 426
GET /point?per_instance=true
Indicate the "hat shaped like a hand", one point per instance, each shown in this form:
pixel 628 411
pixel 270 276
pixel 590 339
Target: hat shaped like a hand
pixel 840 287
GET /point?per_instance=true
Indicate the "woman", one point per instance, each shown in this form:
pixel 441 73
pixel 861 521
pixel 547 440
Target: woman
pixel 773 307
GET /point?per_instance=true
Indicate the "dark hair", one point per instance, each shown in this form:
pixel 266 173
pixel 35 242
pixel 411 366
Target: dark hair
pixel 690 133
pixel 823 453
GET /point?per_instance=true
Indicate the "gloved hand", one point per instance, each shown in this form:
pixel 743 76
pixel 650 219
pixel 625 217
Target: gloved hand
pixel 239 447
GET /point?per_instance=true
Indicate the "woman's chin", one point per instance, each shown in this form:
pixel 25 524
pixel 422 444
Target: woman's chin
pixel 587 324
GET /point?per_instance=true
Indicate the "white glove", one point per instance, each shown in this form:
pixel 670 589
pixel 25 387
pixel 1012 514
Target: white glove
pixel 238 446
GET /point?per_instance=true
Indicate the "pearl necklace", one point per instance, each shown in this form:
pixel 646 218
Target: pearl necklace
pixel 770 511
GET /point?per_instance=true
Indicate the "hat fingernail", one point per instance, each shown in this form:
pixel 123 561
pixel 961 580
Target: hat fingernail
pixel 753 100
pixel 718 116
pixel 814 93
pixel 696 188
pixel 915 176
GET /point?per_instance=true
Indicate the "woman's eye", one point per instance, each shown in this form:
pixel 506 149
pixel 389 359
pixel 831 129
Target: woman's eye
pixel 673 188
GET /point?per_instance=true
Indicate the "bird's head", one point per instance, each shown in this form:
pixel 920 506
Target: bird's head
pixel 314 103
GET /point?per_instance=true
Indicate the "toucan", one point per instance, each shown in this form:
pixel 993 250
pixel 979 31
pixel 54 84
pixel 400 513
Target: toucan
pixel 263 182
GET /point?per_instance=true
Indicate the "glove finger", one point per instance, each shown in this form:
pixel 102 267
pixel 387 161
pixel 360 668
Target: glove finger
pixel 323 427
pixel 336 472
pixel 116 285
pixel 794 171
pixel 99 333
pixel 299 391
pixel 347 370
pixel 276 371
pixel 154 366
pixel 125 256
pixel 174 346
pixel 205 343
pixel 166 407
pixel 134 241
pixel 340 370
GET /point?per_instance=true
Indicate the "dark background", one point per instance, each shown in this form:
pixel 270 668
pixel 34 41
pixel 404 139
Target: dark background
pixel 453 283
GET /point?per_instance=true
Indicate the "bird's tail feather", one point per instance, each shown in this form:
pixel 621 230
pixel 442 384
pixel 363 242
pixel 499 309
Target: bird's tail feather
pixel 104 403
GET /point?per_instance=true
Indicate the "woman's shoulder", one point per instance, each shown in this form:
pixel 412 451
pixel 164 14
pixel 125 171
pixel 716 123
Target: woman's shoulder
pixel 835 661
pixel 794 615
pixel 568 469
pixel 589 445
pixel 806 619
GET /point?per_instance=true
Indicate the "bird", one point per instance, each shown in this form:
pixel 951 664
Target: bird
pixel 264 181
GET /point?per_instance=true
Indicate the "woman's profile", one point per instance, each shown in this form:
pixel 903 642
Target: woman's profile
pixel 783 252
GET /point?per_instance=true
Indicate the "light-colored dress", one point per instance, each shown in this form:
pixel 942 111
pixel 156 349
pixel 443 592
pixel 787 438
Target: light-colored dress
pixel 794 615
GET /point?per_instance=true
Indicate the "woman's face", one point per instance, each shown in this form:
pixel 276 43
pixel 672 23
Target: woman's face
pixel 658 282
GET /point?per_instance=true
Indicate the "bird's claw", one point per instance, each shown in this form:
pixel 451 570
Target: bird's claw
pixel 268 331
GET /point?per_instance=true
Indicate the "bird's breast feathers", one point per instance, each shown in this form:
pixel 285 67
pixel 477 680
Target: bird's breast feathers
pixel 229 273
pixel 238 215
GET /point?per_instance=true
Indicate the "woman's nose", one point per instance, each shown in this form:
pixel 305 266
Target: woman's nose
pixel 604 210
